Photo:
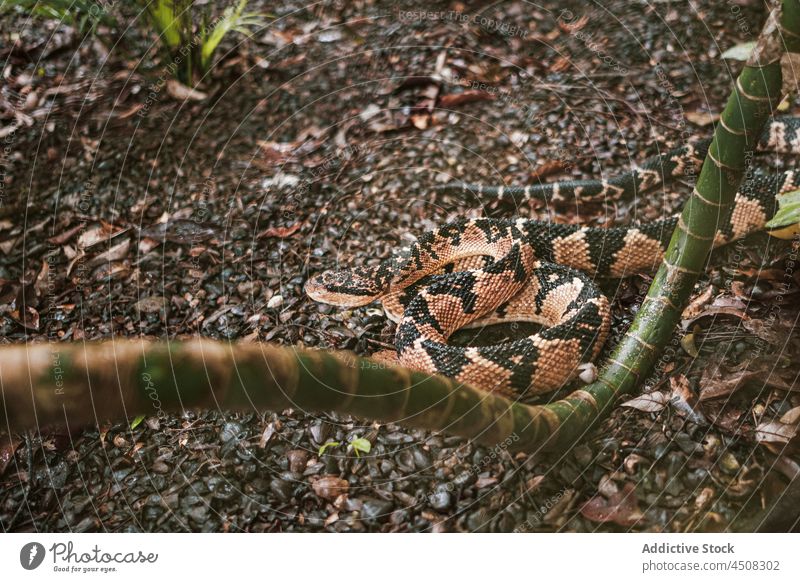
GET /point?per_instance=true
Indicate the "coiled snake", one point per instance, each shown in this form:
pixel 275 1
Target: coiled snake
pixel 476 272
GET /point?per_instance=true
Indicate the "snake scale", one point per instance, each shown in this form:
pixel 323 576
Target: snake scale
pixel 476 272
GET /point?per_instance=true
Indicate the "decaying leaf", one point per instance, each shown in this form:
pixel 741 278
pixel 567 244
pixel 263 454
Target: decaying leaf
pixel 683 399
pixel 66 235
pixel 621 507
pixel 116 253
pixel 717 383
pixel 97 233
pixel 330 487
pixel 779 431
pixel 697 305
pixel 280 231
pixel 701 118
pixel 181 92
pixel 548 168
pixel 470 96
pixel 649 402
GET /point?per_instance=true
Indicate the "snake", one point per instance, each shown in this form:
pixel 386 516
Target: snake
pixel 483 271
pixel 780 136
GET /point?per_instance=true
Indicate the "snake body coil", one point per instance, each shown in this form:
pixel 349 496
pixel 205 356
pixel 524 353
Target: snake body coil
pixel 484 271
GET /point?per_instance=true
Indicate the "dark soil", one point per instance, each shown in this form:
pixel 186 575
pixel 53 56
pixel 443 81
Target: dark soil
pixel 129 213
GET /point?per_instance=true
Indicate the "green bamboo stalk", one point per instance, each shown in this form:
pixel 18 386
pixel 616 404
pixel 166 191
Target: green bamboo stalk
pixel 756 93
pixel 79 384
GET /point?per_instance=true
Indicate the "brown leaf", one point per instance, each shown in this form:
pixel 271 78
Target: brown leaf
pixel 413 82
pixel 181 92
pixel 560 64
pixel 269 430
pixel 280 231
pixel 716 383
pixel 573 25
pixel 27 318
pixel 98 233
pixel 621 508
pixel 698 304
pixel 683 399
pixel 115 253
pixel 277 153
pixel 66 235
pixel 701 118
pixel 650 402
pixel 548 168
pixel 776 433
pixel 330 487
pixel 134 109
pixel 470 96
pixel 42 282
pixel 725 416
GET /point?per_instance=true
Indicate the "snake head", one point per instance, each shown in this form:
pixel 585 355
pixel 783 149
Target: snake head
pixel 344 287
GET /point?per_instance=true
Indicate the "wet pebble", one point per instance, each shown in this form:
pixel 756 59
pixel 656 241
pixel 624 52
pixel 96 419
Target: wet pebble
pixel 375 509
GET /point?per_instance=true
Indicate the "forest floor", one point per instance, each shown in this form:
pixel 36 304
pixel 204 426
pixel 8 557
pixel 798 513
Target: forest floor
pixel 130 212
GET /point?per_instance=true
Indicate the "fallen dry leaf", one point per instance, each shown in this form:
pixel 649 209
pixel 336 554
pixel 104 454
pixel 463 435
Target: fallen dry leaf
pixel 280 231
pixel 548 168
pixel 470 96
pixel 698 304
pixel 66 235
pixel 178 90
pixel 701 118
pixel 97 233
pixel 573 25
pixel 779 434
pixel 683 399
pixel 277 153
pixel 621 508
pixel 775 432
pixel 716 383
pixel 115 253
pixel 650 402
pixel 330 487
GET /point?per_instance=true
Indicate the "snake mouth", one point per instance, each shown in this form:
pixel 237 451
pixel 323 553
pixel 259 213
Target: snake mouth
pixel 340 288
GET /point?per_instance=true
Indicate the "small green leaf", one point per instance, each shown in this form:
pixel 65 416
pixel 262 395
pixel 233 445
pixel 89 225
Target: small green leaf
pixel 789 210
pixel 233 19
pixel 328 445
pixel 740 52
pixel 137 421
pixel 361 445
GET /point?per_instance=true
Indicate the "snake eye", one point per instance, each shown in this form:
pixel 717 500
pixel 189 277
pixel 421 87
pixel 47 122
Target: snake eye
pixel 346 288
